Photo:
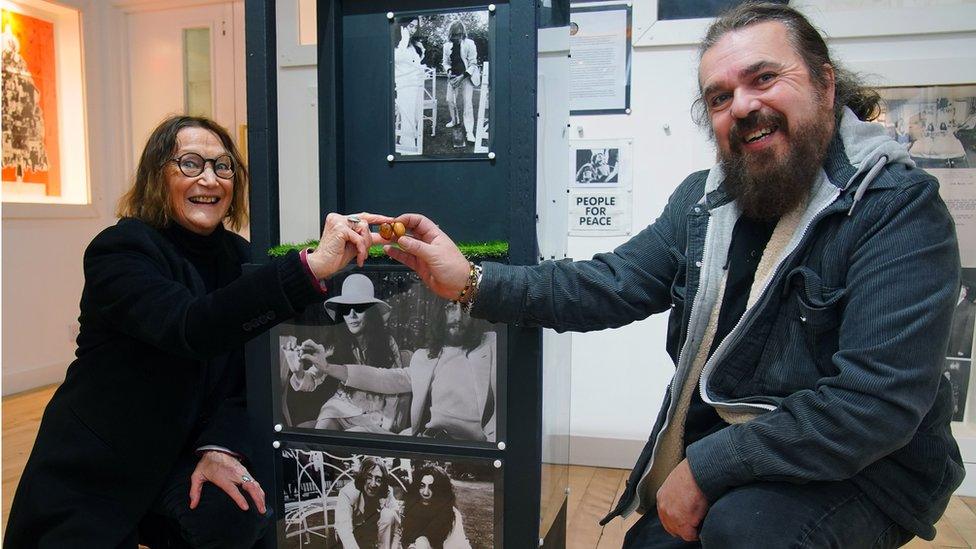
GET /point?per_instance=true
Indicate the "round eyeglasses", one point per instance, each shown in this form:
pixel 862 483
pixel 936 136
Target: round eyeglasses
pixel 192 165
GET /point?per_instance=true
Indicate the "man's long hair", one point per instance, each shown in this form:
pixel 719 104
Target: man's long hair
pixel 471 336
pixel 365 468
pixel 434 520
pixel 849 88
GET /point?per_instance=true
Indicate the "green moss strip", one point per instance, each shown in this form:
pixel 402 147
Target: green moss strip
pixel 495 249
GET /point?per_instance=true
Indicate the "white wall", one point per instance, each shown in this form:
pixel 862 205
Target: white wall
pixel 42 253
pixel 901 45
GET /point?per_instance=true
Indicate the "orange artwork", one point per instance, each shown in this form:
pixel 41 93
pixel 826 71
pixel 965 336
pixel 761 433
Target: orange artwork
pixel 30 109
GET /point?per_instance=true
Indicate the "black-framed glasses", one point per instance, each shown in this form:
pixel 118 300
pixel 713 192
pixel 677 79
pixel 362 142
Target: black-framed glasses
pixel 192 164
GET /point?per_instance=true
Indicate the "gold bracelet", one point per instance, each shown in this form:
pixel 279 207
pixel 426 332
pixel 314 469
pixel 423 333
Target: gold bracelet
pixel 467 294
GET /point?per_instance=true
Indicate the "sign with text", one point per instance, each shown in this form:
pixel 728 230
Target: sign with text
pixel 599 212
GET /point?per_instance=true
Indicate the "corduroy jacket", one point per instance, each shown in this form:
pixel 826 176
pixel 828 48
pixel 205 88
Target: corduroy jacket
pixel 834 370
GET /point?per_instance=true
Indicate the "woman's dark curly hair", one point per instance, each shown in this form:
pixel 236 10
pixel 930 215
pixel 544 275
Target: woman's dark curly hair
pixel 435 520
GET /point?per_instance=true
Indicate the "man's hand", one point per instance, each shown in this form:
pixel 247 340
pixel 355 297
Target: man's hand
pixel 229 475
pixel 681 505
pixel 433 255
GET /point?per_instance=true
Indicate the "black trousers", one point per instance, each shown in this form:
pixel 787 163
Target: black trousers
pixel 778 514
pixel 216 523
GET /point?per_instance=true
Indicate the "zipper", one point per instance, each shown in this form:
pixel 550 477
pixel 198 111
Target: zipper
pixel 747 317
pixel 695 305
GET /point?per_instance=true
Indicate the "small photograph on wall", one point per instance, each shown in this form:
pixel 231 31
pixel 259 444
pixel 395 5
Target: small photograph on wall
pixel 957 371
pixel 963 319
pixel 937 126
pixel 385 357
pixel 441 76
pixel 30 106
pixel 594 166
pixel 347 498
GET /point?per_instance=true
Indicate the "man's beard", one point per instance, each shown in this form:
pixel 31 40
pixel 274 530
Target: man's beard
pixel 764 185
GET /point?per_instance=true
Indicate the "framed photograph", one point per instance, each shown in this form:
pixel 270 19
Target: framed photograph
pixel 43 127
pixel 937 125
pixel 441 71
pixel 344 498
pixel 599 43
pixel 684 9
pixel 385 357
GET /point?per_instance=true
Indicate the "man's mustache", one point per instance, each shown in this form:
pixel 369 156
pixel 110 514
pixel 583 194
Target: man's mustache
pixel 752 122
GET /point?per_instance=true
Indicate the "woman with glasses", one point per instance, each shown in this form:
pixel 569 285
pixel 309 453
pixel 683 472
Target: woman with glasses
pixel 146 439
pixel 363 339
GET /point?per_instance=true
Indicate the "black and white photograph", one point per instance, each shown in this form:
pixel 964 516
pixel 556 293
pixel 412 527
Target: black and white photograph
pixel 937 124
pixel 441 75
pixel 336 498
pixel 386 356
pixel 957 372
pixel 597 166
pixel 963 319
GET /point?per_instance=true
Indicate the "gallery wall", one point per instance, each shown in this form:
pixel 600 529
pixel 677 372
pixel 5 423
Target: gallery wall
pixel 619 376
pixel 43 244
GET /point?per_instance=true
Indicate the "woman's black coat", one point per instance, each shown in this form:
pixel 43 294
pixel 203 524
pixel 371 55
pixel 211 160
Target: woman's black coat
pixel 143 387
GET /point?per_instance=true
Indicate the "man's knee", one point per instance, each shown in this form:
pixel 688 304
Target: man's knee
pixel 221 524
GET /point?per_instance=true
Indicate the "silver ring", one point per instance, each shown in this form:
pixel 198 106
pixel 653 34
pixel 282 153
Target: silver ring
pixel 354 219
pixel 245 479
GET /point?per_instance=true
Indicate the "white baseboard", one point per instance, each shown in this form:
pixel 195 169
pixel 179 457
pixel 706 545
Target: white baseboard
pixel 22 380
pixel 604 452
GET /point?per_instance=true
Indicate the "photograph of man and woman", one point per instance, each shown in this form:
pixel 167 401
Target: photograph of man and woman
pixel 441 74
pixel 335 499
pixel 597 165
pixel 386 356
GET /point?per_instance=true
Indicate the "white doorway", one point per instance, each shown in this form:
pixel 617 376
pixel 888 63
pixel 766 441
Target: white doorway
pixel 185 60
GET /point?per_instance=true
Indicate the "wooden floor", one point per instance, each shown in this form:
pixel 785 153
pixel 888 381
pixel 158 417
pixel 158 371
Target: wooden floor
pixel 593 490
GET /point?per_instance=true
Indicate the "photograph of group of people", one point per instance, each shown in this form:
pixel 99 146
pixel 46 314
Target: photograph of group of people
pixel 441 81
pixel 386 356
pixel 936 124
pixel 597 165
pixel 339 499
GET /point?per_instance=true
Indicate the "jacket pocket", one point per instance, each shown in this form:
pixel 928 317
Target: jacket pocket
pixel 803 338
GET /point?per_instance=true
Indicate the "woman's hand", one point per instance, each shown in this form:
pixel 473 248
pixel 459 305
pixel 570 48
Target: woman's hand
pixel 433 255
pixel 228 474
pixel 343 239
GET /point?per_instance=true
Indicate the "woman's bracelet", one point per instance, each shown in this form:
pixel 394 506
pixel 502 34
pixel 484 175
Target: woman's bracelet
pixel 470 291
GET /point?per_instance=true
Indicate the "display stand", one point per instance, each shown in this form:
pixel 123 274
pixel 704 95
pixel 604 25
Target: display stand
pixel 482 191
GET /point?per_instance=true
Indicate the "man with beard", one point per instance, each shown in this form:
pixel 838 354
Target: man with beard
pixel 452 381
pixel 366 512
pixel 810 277
pixel 431 519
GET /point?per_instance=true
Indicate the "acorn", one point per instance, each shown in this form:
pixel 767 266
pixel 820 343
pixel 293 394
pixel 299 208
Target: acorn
pixel 386 231
pixel 399 229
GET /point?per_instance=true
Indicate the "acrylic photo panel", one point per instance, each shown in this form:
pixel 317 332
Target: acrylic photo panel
pixel 441 65
pixel 385 357
pixel 336 497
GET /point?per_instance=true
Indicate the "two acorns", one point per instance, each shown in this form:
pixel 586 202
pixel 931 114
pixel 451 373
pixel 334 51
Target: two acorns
pixel 392 231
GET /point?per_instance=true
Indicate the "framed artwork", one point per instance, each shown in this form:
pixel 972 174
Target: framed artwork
pixel 441 72
pixel 599 43
pixel 385 357
pixel 43 130
pixel 335 497
pixel 684 9
pixel 937 125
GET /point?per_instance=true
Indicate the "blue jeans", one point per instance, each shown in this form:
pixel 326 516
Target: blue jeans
pixel 778 514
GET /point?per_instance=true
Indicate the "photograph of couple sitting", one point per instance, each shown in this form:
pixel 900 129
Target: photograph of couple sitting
pixel 417 368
